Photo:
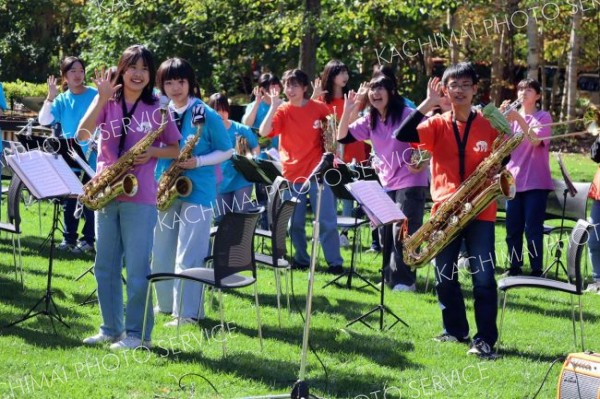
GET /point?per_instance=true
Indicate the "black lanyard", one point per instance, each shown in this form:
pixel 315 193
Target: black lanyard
pixel 179 119
pixel 126 122
pixel 462 144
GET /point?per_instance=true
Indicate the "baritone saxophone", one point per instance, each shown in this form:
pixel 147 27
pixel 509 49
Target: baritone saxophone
pixel 470 199
pixel 115 180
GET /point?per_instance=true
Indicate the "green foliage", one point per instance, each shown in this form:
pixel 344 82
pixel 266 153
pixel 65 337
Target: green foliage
pixel 19 89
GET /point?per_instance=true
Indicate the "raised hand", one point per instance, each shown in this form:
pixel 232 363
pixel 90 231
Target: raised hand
pixel 434 90
pixel 52 89
pixel 106 86
pixel 317 89
pixel 258 95
pixel 276 101
pixel 350 100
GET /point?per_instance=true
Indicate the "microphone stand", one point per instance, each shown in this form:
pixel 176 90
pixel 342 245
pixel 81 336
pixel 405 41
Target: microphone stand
pixel 300 389
pixel 560 244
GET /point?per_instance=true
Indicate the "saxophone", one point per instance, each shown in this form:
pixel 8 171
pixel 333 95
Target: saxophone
pixel 114 180
pixel 469 200
pixel 171 184
pixel 329 135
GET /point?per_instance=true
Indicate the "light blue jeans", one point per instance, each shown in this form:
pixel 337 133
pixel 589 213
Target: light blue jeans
pixel 328 234
pixel 124 237
pixel 594 240
pixel 181 241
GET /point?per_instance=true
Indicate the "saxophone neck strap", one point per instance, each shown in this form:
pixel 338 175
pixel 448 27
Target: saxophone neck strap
pixel 126 121
pixel 462 144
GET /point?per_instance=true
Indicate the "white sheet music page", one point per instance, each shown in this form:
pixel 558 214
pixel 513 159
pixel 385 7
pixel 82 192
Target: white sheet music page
pixel 378 206
pixel 64 171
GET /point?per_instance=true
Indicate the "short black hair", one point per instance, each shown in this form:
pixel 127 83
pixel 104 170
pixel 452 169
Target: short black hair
pixel 464 70
pixel 65 66
pixel 177 68
pixel 219 102
pixel 267 79
pixel 529 83
pixel 296 76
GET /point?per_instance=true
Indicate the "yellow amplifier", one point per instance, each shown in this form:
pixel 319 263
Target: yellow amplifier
pixel 580 377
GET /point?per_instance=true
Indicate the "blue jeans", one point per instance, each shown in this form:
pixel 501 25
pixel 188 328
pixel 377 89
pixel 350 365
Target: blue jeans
pixel 411 202
pixel 124 237
pixel 328 235
pixel 181 241
pixel 594 240
pixel 479 240
pixel 525 213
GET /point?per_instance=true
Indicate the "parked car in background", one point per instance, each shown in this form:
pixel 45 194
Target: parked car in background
pixel 588 86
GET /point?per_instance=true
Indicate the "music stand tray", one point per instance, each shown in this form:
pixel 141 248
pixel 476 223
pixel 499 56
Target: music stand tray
pixel 250 170
pixel 53 145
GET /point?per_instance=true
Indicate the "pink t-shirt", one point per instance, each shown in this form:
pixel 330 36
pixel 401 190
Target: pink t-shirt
pixel 529 164
pixel 145 119
pixel 393 155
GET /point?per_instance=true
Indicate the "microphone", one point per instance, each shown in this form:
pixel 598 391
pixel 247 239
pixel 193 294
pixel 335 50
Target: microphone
pixel 324 164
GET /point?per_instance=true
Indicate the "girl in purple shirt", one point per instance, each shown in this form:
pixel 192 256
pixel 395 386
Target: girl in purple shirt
pixel 124 111
pixel 530 166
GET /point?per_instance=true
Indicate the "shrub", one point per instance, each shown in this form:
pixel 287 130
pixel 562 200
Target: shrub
pixel 19 89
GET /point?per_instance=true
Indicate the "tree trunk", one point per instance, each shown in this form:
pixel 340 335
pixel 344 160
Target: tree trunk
pixel 496 78
pixel 308 47
pixel 533 53
pixel 451 22
pixel 571 77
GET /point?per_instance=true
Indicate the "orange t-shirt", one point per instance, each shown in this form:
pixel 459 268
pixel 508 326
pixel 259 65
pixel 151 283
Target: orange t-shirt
pixel 301 143
pixel 436 135
pixel 359 150
pixel 595 187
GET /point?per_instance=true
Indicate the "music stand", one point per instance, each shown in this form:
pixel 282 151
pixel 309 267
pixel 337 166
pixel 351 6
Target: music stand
pixel 336 179
pixel 572 191
pixel 53 145
pixel 59 182
pixel 382 211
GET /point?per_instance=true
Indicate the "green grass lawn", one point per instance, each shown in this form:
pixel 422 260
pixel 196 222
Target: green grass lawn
pixel 36 362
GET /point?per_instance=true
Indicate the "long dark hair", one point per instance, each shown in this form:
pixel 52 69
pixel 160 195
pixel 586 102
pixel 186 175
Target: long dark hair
pixel 332 69
pixel 129 57
pixel 177 68
pixel 65 66
pixel 395 105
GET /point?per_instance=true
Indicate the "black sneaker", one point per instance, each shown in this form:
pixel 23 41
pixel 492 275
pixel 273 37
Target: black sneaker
pixel 513 271
pixel 445 337
pixel 482 349
pixel 537 273
pixel 299 266
pixel 337 269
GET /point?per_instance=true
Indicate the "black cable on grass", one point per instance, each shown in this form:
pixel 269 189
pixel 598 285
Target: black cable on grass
pixel 546 376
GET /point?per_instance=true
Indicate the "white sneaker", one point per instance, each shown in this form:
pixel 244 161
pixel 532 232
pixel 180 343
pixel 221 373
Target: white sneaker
pixel 463 263
pixel 344 243
pixel 404 288
pixel 594 287
pixel 82 247
pixel 181 322
pixel 130 342
pixel 101 338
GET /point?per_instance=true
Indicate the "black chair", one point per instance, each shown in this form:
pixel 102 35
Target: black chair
pixel 574 286
pixel 232 254
pixel 277 258
pixel 13 224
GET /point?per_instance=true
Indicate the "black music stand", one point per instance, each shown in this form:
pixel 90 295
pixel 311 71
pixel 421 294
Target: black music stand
pixel 572 191
pixel 59 182
pixel 256 171
pixel 336 179
pixel 46 301
pixel 383 212
pixel 53 145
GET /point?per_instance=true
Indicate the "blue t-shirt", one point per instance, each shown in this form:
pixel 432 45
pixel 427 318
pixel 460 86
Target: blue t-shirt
pixel 3 105
pixel 68 109
pixel 261 113
pixel 213 137
pixel 232 179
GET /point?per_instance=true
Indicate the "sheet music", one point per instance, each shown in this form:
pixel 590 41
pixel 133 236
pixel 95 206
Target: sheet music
pixel 378 206
pixel 44 175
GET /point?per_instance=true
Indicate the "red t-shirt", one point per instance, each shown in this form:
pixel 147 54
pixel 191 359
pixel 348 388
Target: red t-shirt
pixel 301 143
pixel 595 187
pixel 436 135
pixel 359 150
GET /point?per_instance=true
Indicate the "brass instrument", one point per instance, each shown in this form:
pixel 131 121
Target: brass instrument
pixel 330 133
pixel 418 157
pixel 469 200
pixel 590 119
pixel 171 184
pixel 114 180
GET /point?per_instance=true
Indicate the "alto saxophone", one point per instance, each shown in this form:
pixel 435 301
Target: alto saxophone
pixel 114 180
pixel 469 200
pixel 171 184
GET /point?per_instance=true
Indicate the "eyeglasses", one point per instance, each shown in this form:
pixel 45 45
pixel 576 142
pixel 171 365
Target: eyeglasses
pixel 462 87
